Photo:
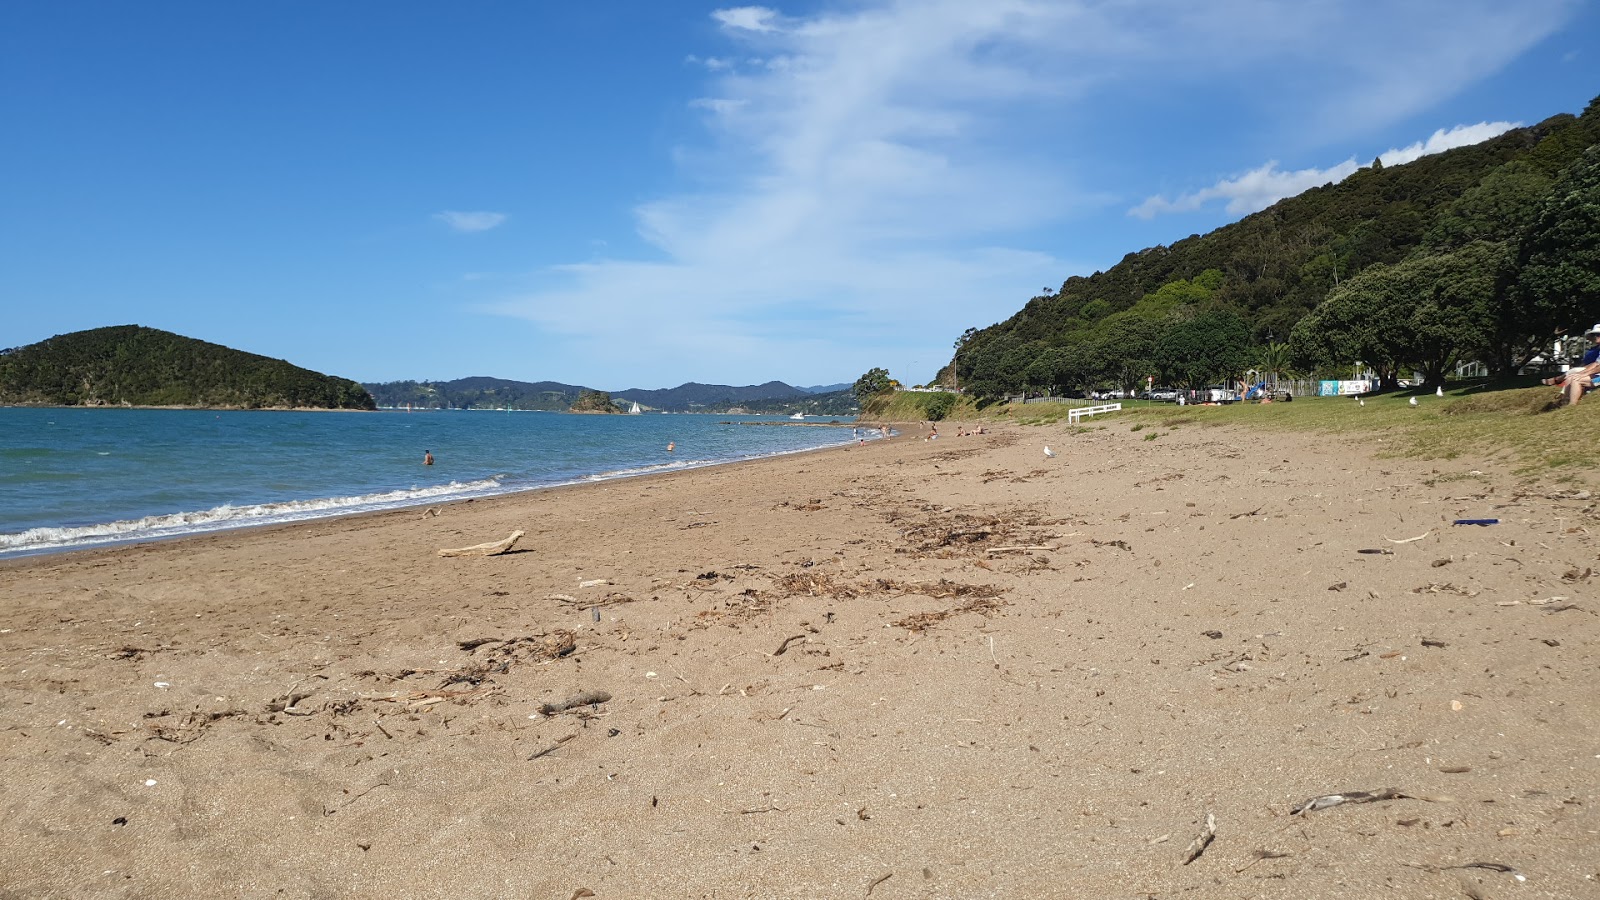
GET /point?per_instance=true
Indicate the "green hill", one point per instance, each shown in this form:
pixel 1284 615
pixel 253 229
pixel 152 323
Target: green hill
pixel 1481 252
pixel 130 365
pixel 477 392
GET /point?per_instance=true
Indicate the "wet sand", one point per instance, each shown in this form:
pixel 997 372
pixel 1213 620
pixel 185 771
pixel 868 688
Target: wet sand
pixel 911 669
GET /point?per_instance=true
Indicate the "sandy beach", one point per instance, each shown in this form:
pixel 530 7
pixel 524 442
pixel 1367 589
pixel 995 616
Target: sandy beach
pixel 949 668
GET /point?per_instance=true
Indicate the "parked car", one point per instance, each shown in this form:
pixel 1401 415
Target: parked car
pixel 1161 395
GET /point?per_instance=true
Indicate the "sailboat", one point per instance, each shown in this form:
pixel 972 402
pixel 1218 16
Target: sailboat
pixel 635 410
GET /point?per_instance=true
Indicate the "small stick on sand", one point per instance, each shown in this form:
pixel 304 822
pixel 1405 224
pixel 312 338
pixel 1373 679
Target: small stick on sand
pixel 1201 840
pixel 1409 540
pixel 552 748
pixel 783 647
pixel 1330 800
pixel 585 698
pixel 877 881
pixel 493 548
pixel 1019 549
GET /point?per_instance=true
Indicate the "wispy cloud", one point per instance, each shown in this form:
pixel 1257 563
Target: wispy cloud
pixel 867 172
pixel 1261 187
pixel 470 221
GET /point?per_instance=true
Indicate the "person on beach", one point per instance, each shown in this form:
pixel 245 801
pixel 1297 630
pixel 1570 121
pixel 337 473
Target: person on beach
pixel 427 457
pixel 671 446
pixel 1581 378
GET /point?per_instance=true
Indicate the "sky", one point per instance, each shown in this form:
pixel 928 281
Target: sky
pixel 641 193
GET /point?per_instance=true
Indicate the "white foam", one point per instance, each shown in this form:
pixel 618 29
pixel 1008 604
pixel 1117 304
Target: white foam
pixel 229 516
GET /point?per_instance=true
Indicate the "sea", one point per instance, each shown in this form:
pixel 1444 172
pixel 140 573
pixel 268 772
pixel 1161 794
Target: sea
pixel 76 477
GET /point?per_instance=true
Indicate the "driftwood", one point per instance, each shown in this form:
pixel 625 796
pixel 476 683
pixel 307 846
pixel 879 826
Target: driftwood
pixel 553 747
pixel 1329 800
pixel 576 700
pixel 493 548
pixel 1201 840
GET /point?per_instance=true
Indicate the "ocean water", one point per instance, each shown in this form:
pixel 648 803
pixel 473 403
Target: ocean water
pixel 73 478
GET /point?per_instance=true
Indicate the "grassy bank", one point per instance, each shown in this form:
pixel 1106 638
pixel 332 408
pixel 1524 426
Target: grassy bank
pixel 1516 426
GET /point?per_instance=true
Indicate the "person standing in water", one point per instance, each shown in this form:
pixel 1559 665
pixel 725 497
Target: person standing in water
pixel 427 457
pixel 671 446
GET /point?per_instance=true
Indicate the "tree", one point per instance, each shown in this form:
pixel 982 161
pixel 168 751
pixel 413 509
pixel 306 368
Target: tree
pixel 1210 347
pixel 1558 262
pixel 873 383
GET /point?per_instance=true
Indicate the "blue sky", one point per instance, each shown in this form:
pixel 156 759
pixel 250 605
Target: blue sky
pixel 638 194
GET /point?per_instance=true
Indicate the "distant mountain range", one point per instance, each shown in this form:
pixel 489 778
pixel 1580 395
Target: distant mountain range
pixel 501 393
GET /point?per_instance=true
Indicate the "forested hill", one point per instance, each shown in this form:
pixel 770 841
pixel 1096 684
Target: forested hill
pixel 1499 238
pixel 501 393
pixel 696 396
pixel 477 393
pixel 130 365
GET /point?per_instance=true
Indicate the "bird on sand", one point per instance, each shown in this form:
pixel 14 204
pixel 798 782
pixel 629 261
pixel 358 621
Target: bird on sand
pixel 1050 454
pixel 1414 402
pixel 1439 391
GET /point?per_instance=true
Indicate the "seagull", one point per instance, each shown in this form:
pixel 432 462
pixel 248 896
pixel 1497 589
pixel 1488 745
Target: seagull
pixel 1051 454
pixel 1414 402
pixel 1439 391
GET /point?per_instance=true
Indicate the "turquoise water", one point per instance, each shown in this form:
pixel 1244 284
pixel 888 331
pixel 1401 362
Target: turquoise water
pixel 82 477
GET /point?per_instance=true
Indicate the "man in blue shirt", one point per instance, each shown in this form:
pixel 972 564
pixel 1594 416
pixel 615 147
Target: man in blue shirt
pixel 1583 376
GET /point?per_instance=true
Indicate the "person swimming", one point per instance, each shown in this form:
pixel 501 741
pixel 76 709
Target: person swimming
pixel 427 457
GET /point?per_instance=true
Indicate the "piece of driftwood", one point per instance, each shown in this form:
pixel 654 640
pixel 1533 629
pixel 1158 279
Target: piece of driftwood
pixel 784 647
pixel 552 748
pixel 1330 800
pixel 1201 841
pixel 493 548
pixel 585 698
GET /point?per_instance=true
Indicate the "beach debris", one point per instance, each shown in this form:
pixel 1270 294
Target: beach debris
pixel 580 893
pixel 1430 642
pixel 492 548
pixel 784 647
pixel 1490 866
pixel 330 810
pixel 1252 512
pixel 1202 840
pixel 1379 552
pixel 430 512
pixel 877 881
pixel 1476 522
pixel 1213 634
pixel 1259 855
pixel 584 698
pixel 1410 540
pixel 552 748
pixel 1327 801
pixel 594 582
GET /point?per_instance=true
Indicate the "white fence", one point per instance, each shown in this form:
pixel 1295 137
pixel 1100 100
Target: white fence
pixel 1078 412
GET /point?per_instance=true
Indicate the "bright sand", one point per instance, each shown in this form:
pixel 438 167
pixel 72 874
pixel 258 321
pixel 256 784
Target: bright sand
pixel 911 669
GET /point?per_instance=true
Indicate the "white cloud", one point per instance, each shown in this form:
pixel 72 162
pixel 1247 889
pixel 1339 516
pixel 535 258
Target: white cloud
pixel 1442 140
pixel 747 18
pixel 866 183
pixel 1259 188
pixel 470 221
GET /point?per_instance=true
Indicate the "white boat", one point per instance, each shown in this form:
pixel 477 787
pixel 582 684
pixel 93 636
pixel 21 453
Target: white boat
pixel 635 410
pixel 798 417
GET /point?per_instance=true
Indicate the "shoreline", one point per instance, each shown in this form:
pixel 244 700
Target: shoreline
pixel 958 664
pixel 331 513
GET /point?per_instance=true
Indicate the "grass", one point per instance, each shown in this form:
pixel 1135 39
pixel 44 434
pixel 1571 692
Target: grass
pixel 1517 425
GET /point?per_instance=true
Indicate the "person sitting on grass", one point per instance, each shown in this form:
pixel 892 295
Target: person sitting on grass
pixel 1582 377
